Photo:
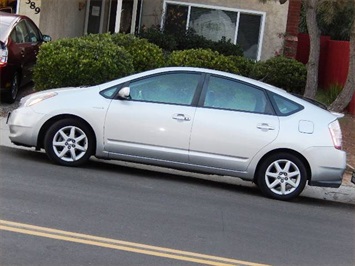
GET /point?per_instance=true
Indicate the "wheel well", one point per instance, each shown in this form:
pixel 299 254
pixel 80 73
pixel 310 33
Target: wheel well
pixel 50 122
pixel 295 153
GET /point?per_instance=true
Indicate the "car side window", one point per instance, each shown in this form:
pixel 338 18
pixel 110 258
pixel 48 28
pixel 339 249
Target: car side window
pixel 173 88
pixel 33 34
pixel 285 106
pixel 21 33
pixel 229 94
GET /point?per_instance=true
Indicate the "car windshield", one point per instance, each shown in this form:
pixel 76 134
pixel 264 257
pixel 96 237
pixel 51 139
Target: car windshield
pixel 3 31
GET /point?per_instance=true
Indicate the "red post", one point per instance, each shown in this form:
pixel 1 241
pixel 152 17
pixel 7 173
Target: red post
pixel 291 36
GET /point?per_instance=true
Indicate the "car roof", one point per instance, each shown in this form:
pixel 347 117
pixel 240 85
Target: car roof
pixel 7 21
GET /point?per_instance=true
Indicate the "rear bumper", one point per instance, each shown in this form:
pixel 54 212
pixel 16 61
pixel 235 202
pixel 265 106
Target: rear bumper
pixel 327 166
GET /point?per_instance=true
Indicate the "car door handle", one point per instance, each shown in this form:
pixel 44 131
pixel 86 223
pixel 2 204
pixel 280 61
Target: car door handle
pixel 181 117
pixel 265 127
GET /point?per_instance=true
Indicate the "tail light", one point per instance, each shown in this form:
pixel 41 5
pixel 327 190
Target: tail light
pixel 4 53
pixel 335 132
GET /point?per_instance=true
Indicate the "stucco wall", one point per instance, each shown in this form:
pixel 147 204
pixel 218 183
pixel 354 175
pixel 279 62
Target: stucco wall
pixel 275 20
pixel 25 9
pixel 62 18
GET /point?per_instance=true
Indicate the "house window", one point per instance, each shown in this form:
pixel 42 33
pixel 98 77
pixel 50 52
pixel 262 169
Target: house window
pixel 241 27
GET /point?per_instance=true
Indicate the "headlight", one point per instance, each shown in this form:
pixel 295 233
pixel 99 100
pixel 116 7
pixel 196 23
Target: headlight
pixel 32 100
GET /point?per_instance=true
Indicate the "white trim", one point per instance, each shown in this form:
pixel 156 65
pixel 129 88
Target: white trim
pixel 216 7
pixel 236 10
pixel 261 36
pixel 236 28
pixel 118 16
pixel 188 17
pixel 134 16
pixel 162 19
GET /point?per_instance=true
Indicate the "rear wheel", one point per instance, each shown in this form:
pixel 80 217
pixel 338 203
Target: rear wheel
pixel 69 142
pixel 11 95
pixel 282 176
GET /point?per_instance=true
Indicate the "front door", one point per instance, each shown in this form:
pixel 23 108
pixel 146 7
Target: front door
pixel 113 16
pixel 155 124
pixel 94 24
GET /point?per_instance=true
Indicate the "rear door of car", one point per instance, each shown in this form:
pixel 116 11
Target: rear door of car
pixel 155 124
pixel 234 122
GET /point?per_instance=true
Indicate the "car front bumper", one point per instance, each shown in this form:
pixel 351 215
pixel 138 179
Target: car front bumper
pixel 24 125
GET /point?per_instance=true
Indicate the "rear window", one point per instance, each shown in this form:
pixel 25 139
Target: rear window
pixel 284 106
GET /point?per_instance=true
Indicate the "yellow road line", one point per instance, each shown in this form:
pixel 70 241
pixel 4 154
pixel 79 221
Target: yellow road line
pixel 120 245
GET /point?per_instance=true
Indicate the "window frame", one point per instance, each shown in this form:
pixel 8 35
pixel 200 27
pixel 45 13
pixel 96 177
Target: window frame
pixel 214 7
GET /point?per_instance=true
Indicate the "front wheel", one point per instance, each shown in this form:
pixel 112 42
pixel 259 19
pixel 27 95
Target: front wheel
pixel 282 176
pixel 11 95
pixel 69 142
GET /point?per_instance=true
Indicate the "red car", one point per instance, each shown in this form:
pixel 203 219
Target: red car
pixel 20 39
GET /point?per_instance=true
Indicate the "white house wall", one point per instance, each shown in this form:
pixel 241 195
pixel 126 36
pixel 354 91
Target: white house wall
pixel 24 8
pixel 274 27
pixel 57 18
pixel 61 19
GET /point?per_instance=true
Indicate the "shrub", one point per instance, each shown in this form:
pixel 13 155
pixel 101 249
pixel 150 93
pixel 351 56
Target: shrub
pixel 154 35
pixel 244 64
pixel 225 47
pixel 80 61
pixel 328 95
pixel 282 72
pixel 203 58
pixel 145 55
pixel 186 40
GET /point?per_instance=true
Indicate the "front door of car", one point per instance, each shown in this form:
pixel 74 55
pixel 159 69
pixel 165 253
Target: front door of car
pixel 23 48
pixel 155 124
pixel 233 123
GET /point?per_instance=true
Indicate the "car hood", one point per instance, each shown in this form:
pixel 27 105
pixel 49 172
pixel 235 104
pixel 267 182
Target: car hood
pixel 59 91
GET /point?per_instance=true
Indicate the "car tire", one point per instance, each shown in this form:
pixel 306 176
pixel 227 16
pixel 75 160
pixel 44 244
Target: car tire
pixel 282 176
pixel 11 95
pixel 69 142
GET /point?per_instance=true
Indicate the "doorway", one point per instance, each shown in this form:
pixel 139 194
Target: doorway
pixel 113 16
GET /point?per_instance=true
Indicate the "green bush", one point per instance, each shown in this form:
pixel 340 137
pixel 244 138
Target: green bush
pixel 281 72
pixel 328 95
pixel 186 40
pixel 80 61
pixel 145 55
pixel 225 47
pixel 244 64
pixel 154 35
pixel 205 58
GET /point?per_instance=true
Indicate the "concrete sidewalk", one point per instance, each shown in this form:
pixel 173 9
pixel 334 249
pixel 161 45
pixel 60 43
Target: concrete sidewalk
pixel 344 194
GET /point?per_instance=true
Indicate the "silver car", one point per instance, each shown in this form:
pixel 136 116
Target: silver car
pixel 193 119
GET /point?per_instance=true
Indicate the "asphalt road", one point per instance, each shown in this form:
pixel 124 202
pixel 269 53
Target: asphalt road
pixel 104 214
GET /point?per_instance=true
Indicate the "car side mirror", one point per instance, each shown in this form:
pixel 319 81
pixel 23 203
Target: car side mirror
pixel 125 93
pixel 46 38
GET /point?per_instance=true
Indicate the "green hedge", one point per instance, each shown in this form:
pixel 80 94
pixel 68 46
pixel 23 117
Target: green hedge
pixel 94 59
pixel 205 58
pixel 145 55
pixel 186 40
pixel 282 72
pixel 80 61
